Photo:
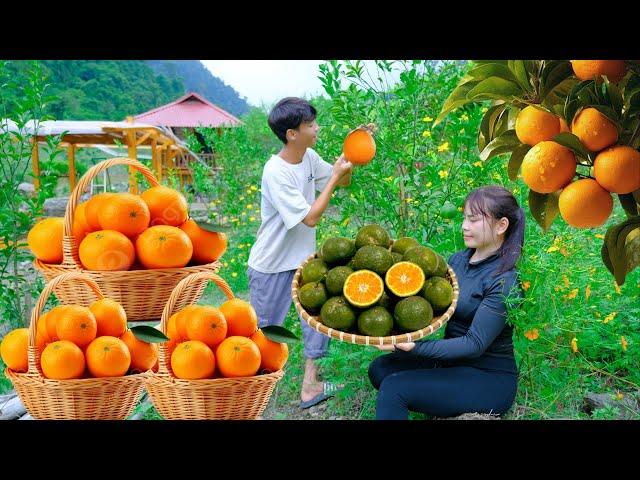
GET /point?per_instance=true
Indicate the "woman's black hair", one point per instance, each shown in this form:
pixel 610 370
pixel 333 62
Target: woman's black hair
pixel 498 202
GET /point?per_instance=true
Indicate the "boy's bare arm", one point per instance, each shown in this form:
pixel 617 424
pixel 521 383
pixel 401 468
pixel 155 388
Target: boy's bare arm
pixel 341 169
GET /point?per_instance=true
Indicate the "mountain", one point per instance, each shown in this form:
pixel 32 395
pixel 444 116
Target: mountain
pixel 197 78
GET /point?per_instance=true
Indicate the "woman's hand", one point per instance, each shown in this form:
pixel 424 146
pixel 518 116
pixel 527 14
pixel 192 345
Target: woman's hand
pixel 407 347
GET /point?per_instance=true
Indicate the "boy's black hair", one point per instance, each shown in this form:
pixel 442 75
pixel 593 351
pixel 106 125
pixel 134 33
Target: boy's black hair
pixel 288 113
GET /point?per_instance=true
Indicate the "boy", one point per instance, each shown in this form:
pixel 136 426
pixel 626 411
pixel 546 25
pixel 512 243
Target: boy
pixel 287 234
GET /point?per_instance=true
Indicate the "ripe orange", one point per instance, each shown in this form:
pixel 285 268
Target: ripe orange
pixel 164 246
pixel 106 250
pixel 193 360
pixel 405 279
pixel 363 288
pixel 592 69
pixel 166 206
pixel 62 360
pixel 617 169
pixel 110 317
pixel 45 240
pixel 563 125
pixel 359 147
pixel 77 324
pixel 143 355
pixel 594 130
pixel 93 207
pixel 585 204
pixel 273 355
pixel 238 357
pixel 241 317
pixel 208 325
pixel 108 356
pixel 125 213
pixel 534 125
pixel 80 225
pixel 207 246
pixel 13 349
pixel 548 167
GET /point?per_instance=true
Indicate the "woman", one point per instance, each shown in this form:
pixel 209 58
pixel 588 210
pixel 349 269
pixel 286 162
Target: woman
pixel 473 368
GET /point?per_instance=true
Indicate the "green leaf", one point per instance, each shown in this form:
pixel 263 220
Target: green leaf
pixel 516 160
pixel 615 241
pixel 544 208
pixel 553 75
pixel 494 88
pixel 149 334
pixel 573 143
pixel 488 122
pixel 615 97
pixel 492 70
pixel 457 98
pixel 208 226
pixel 279 334
pixel 519 71
pixel 629 204
pixel 506 142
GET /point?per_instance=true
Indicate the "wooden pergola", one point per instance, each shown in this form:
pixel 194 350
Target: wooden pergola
pixel 164 146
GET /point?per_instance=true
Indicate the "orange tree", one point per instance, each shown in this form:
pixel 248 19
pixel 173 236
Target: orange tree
pixel 572 129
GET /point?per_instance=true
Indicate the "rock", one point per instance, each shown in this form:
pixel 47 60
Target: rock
pixel 628 407
pixel 12 409
pixel 55 207
pixel 27 188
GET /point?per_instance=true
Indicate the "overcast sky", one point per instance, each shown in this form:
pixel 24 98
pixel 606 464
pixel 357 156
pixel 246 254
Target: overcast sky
pixel 267 81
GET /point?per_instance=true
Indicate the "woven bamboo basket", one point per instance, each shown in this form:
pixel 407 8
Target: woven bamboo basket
pixel 314 321
pixel 142 293
pixel 241 398
pixel 112 398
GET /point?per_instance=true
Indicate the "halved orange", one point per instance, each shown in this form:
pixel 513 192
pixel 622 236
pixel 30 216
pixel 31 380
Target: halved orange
pixel 363 288
pixel 405 279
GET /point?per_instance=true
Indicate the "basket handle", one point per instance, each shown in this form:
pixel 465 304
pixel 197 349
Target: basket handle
pixel 42 300
pixel 70 245
pixel 175 296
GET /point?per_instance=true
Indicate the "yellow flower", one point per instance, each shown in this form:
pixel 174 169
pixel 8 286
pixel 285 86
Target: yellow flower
pixel 254 188
pixel 249 206
pixel 444 147
pixel 388 179
pixel 226 264
pixel 249 191
pixel 345 222
pixel 428 185
pixel 574 345
pixel 597 314
pixel 460 209
pixel 241 198
pixel 484 109
pixel 624 343
pixel 408 200
pixel 426 133
pixel 609 317
pixel 587 292
pixel 351 195
pixel 464 117
pixel 461 131
pixel 599 235
pixel 532 334
pixel 566 281
pixel 619 395
pixel 526 285
pixel 443 174
pixel 617 287
pixel 427 119
pixel 571 295
pixel 252 219
pixel 553 248
pixel 478 164
pixel 234 274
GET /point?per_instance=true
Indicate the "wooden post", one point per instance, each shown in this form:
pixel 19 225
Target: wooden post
pixel 133 153
pixel 154 157
pixel 35 163
pixel 71 159
pixel 159 160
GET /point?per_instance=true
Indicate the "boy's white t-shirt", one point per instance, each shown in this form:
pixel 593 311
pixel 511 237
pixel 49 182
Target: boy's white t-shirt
pixel 283 242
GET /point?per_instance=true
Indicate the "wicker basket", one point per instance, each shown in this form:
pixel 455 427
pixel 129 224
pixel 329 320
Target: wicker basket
pixel 241 398
pixel 314 321
pixel 110 398
pixel 142 293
